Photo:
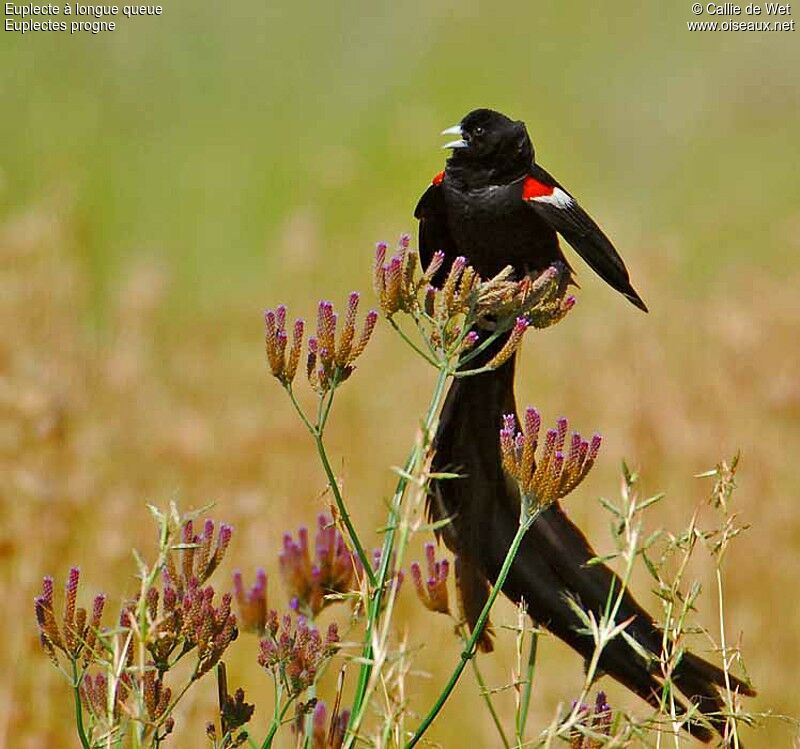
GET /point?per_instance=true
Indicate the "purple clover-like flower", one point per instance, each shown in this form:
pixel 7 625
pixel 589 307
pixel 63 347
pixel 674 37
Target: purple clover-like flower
pixel 205 626
pixel 331 361
pixel 199 555
pixel 512 343
pixel 556 474
pixel 252 603
pixel 433 591
pixel 94 694
pixel 77 635
pixel 395 285
pixel 331 570
pixel 297 651
pixel 276 339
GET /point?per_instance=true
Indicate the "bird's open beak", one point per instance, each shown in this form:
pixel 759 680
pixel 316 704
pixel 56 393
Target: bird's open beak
pixel 455 130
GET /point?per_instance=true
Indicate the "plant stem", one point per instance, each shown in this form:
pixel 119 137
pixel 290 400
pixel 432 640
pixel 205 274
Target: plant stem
pixel 342 509
pixel 359 704
pixel 76 689
pixel 413 345
pixel 317 433
pixel 277 717
pixel 484 690
pixel 469 651
pixel 725 664
pixel 472 353
pixel 525 703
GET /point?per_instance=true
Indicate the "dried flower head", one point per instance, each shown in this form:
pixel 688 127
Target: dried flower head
pixel 205 626
pixel 594 725
pixel 331 361
pixel 511 345
pixel 433 592
pixel 541 298
pixel 197 556
pixel 297 651
pixel 156 696
pixel 309 580
pixel 447 316
pixel 186 620
pixel 252 603
pixel 235 713
pixel 394 281
pixel 94 694
pixel 556 474
pixel 77 635
pixel 283 367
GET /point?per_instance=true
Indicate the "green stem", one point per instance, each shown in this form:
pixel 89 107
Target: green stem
pixel 76 688
pixel 359 705
pixel 277 718
pixel 469 651
pixel 413 345
pixel 342 509
pixel 484 691
pixel 522 718
pixel 472 353
pixel 317 433
pixel 311 428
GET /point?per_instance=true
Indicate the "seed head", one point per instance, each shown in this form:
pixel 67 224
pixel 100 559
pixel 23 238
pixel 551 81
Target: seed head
pixel 556 474
pixel 433 591
pixel 77 635
pixel 331 570
pixel 252 603
pixel 329 362
pixel 511 345
pixel 297 651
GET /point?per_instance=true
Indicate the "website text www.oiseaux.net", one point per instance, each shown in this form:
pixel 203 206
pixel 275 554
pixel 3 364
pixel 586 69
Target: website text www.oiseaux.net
pixel 764 16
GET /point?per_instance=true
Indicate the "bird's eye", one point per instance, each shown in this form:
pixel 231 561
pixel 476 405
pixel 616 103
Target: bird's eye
pixel 478 131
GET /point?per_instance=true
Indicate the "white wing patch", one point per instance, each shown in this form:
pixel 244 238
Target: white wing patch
pixel 558 198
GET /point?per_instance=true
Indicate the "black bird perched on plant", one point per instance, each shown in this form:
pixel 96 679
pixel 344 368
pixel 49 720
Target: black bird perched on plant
pixel 496 206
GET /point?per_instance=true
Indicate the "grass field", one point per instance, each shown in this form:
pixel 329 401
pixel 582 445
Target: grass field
pixel 162 184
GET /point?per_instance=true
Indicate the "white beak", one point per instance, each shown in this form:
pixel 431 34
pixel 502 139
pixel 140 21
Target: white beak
pixel 455 130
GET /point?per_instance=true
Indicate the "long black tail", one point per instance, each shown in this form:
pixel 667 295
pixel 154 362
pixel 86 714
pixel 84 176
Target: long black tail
pixel 551 566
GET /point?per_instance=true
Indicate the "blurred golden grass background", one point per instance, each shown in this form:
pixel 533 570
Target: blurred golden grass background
pixel 162 184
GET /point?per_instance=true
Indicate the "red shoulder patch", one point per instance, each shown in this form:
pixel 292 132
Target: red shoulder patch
pixel 437 180
pixel 532 189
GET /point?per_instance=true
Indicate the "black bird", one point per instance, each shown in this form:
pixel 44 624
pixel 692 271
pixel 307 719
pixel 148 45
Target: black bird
pixel 494 205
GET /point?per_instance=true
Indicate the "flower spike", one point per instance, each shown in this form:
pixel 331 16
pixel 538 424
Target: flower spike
pixel 556 474
pixel 432 592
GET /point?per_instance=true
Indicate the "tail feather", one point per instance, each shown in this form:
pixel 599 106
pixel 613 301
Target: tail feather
pixel 552 564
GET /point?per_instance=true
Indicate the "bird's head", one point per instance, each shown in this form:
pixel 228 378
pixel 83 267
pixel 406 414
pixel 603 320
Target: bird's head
pixel 490 139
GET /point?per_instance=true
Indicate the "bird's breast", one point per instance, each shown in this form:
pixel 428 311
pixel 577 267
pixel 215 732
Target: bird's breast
pixel 493 227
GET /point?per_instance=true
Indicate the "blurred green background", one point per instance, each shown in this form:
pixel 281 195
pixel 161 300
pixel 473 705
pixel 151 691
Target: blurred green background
pixel 162 183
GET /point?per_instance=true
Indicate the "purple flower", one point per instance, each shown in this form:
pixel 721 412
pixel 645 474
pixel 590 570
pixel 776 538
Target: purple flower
pixel 252 603
pixel 309 579
pixel 433 591
pixel 557 473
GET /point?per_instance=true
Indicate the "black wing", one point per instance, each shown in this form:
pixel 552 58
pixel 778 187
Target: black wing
pixel 434 234
pixel 562 212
